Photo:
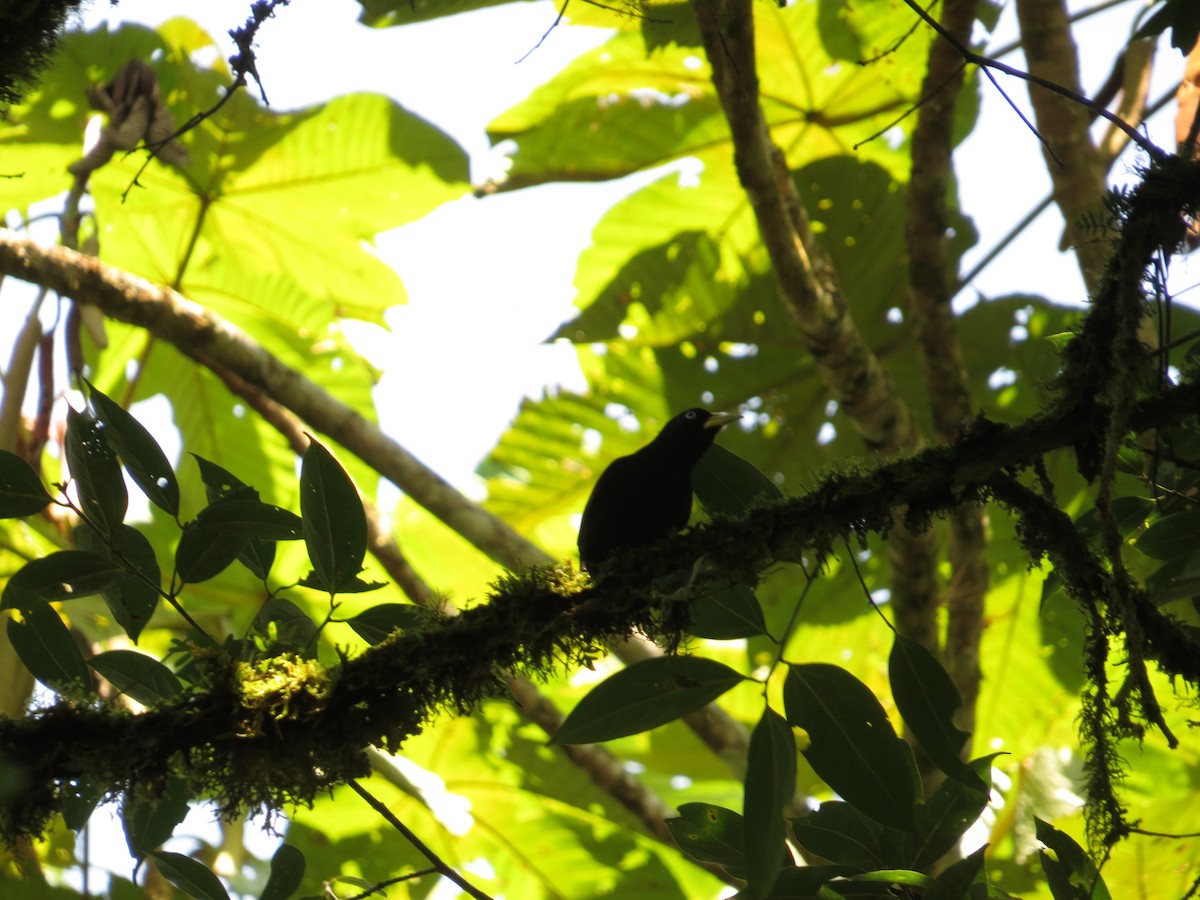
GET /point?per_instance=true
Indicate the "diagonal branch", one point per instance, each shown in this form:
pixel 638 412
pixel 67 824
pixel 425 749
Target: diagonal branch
pixel 602 767
pixel 234 355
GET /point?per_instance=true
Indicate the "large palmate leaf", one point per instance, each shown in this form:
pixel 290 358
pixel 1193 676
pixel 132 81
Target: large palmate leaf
pixel 273 213
pixel 621 108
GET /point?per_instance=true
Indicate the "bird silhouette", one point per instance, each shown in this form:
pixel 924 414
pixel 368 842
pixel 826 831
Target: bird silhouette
pixel 647 495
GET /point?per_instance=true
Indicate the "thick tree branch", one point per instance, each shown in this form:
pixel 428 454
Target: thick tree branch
pixel 192 328
pixel 1078 180
pixel 810 290
pixel 931 278
pixel 233 355
pixel 235 752
pixel 601 766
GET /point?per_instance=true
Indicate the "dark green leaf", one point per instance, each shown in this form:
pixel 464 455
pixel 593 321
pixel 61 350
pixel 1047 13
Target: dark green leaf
pixel 841 834
pixel 954 882
pixel 376 623
pixel 47 649
pixel 63 575
pixel 927 699
pixel 710 834
pixel 204 553
pixel 96 472
pixel 806 881
pixel 190 875
pixel 80 797
pixel 149 817
pixel 258 557
pixel 250 518
pixel 134 595
pixel 144 459
pixel 944 818
pixel 142 677
pixel 21 490
pixel 335 526
pixel 293 629
pixel 852 745
pixel 1181 16
pixel 770 784
pixel 353 586
pixel 1128 512
pixel 287 871
pixel 728 484
pixel 1171 536
pixel 219 482
pixel 726 613
pixel 45 645
pixel 645 695
pixel 1070 873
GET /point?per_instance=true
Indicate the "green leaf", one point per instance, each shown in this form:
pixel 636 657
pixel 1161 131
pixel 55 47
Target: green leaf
pixel 287 871
pixel 96 472
pixel 770 784
pixel 852 745
pixel 841 834
pixel 954 882
pixel 375 624
pixel 190 875
pixel 1181 16
pixel 711 834
pixel 335 526
pixel 248 518
pixel 805 881
pixel 1171 536
pixel 204 553
pixel 63 575
pixel 143 458
pixel 257 555
pixel 729 485
pixel 80 797
pixel 47 649
pixel 220 482
pixel 149 817
pixel 134 595
pixel 21 490
pixel 141 677
pixel 944 818
pixel 294 630
pixel 927 699
pixel 645 695
pixel 727 613
pixel 1070 872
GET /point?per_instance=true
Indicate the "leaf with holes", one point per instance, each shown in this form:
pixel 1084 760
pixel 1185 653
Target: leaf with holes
pixel 143 458
pixel 853 747
pixel 96 472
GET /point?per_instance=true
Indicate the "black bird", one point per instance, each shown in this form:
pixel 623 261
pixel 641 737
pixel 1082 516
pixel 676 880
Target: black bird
pixel 647 495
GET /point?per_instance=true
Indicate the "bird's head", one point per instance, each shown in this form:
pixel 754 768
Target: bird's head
pixel 689 434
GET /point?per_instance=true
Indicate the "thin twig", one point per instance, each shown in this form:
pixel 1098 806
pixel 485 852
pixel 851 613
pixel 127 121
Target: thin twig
pixel 443 868
pixel 987 63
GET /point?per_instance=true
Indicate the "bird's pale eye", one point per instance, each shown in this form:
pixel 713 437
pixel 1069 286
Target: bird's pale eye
pixel 689 415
